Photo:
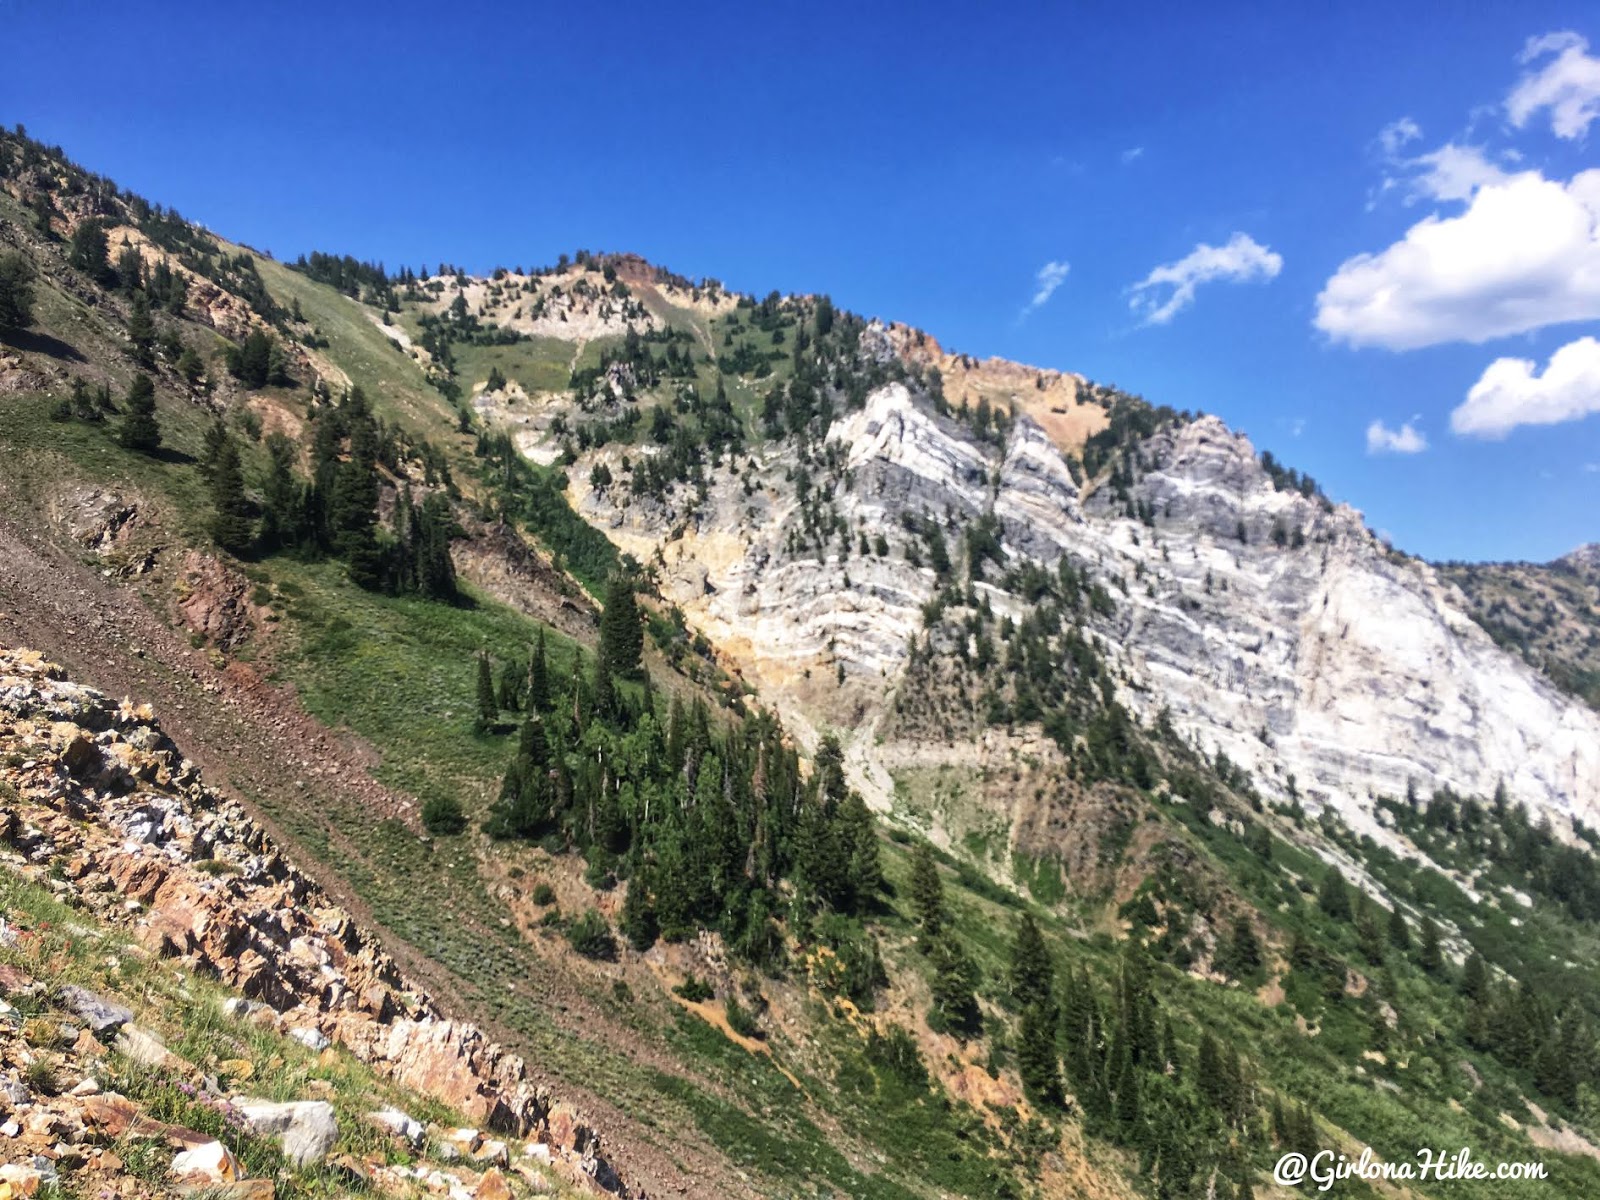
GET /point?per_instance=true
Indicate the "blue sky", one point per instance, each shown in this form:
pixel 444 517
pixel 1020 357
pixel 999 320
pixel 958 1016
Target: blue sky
pixel 927 162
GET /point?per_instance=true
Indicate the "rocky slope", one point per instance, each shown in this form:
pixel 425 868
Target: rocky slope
pixel 1549 613
pixel 96 797
pixel 1268 624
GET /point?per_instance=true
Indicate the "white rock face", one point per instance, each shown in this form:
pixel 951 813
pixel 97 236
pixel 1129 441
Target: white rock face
pixel 306 1129
pixel 1324 664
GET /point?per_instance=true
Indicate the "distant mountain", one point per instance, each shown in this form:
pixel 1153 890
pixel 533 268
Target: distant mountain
pixel 821 762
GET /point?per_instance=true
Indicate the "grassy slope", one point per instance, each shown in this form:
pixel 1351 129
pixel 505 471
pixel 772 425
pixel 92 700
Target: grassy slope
pixel 1390 1108
pixel 399 673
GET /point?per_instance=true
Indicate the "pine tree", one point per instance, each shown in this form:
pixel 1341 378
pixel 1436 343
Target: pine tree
pixel 280 518
pixel 927 894
pixel 1245 947
pixel 621 633
pixel 1475 977
pixel 16 292
pixel 435 570
pixel 142 332
pixel 230 519
pixel 488 710
pixel 1399 931
pixel 1334 896
pixel 639 923
pixel 251 361
pixel 1126 1112
pixel 525 805
pixel 1429 955
pixel 352 508
pixel 1037 1060
pixel 140 431
pixel 88 250
pixel 1032 972
pixel 858 842
pixel 954 986
pixel 1369 934
pixel 538 677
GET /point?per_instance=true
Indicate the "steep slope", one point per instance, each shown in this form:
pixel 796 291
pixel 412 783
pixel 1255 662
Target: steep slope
pixel 1548 613
pixel 1266 625
pixel 96 794
pixel 1064 635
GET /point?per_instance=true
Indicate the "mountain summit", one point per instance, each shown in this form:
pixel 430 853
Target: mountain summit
pixel 660 740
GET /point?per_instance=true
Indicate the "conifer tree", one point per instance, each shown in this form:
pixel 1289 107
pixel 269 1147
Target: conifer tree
pixel 140 430
pixel 858 842
pixel 230 519
pixel 488 709
pixel 954 986
pixel 435 570
pixel 88 250
pixel 621 633
pixel 1245 947
pixel 1334 896
pixel 639 924
pixel 352 508
pixel 280 519
pixel 1429 955
pixel 142 332
pixel 1399 931
pixel 525 805
pixel 927 895
pixel 1032 972
pixel 1475 977
pixel 16 292
pixel 1037 1060
pixel 538 677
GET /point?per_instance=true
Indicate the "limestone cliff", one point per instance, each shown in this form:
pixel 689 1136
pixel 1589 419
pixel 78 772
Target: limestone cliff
pixel 1268 623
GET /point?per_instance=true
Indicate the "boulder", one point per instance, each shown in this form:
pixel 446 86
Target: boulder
pixel 306 1129
pixel 146 1048
pixel 399 1124
pixel 313 1039
pixel 210 1162
pixel 97 1012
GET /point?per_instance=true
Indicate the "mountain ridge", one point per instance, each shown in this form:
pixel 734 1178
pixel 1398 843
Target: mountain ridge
pixel 1097 941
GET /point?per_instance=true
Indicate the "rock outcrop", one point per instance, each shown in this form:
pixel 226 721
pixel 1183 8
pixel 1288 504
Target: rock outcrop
pixel 96 794
pixel 1267 623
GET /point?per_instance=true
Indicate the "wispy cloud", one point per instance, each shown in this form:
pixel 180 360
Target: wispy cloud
pixel 1396 135
pixel 1568 85
pixel 1408 439
pixel 1046 280
pixel 1132 154
pixel 1454 171
pixel 1240 260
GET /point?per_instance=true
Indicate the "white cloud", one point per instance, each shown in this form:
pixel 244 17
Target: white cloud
pixel 1047 279
pixel 1568 85
pixel 1132 155
pixel 1451 172
pixel 1524 254
pixel 1511 392
pixel 1242 259
pixel 1407 439
pixel 1397 134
